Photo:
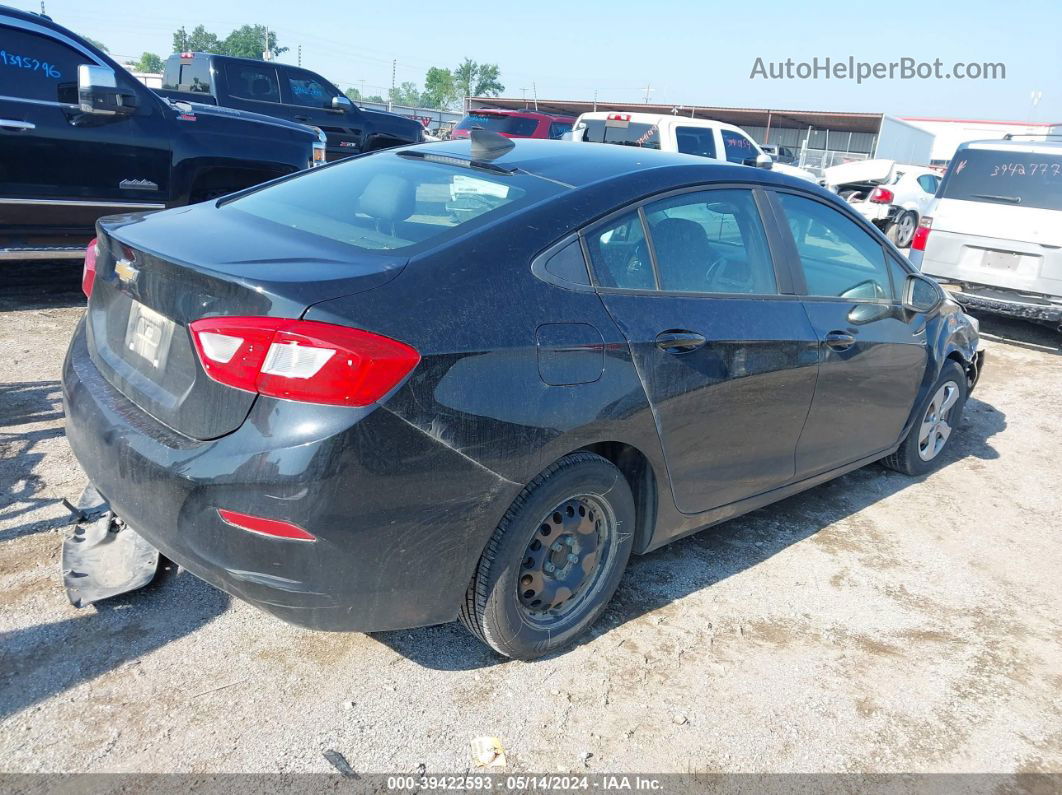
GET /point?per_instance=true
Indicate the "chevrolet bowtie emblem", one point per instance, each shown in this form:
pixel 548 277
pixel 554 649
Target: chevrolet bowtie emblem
pixel 125 271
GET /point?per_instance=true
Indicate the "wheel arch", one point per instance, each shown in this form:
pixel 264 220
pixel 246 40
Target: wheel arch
pixel 638 471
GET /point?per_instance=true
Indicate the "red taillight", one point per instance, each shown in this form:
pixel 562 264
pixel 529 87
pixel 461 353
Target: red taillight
pixel 265 527
pixel 882 196
pixel 88 273
pixel 301 359
pixel 921 235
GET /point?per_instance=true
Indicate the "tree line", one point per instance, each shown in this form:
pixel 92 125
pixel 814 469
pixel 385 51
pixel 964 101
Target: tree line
pixel 443 88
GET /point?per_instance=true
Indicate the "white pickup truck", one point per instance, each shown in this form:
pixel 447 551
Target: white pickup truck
pixel 672 133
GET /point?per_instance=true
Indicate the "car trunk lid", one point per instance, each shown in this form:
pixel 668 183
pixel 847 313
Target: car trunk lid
pixel 158 273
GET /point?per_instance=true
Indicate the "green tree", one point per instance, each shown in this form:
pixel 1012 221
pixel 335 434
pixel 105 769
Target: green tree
pixel 439 89
pixel 405 94
pixel 250 40
pixel 149 62
pixel 98 44
pixel 353 94
pixel 199 40
pixel 477 80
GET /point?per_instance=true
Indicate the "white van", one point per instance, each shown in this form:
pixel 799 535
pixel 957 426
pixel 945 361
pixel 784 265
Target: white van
pixel 994 233
pixel 672 133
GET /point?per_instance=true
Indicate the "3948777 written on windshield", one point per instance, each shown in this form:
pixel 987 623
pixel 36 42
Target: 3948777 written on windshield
pixel 850 69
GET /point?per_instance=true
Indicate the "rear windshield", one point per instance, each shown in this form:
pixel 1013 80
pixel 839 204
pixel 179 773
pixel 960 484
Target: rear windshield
pixel 510 125
pixel 599 131
pixel 1023 179
pixel 387 202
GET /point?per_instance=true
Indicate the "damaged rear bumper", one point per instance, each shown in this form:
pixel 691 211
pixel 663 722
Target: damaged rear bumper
pixel 398 526
pixel 1000 301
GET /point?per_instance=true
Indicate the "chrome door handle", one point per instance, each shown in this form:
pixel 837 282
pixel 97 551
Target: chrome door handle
pixel 839 340
pixel 15 124
pixel 679 341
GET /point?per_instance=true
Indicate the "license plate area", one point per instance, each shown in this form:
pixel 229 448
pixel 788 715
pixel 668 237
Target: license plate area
pixel 148 335
pixel 1001 260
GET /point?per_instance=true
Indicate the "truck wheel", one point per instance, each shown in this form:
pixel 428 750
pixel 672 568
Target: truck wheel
pixel 555 559
pixel 901 231
pixel 936 420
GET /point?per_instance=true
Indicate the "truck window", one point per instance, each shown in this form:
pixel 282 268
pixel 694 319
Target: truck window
pixel 251 81
pixel 558 128
pixel 1022 179
pixel 738 148
pixel 33 66
pixel 308 90
pixel 600 131
pixel 696 141
pixel 191 75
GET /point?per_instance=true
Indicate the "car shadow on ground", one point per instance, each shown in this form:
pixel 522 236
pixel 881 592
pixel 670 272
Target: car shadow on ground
pixel 699 561
pixel 21 488
pixel 47 659
pixel 40 285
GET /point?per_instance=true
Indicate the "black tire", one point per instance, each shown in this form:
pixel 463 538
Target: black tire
pixel 496 608
pixel 901 230
pixel 911 458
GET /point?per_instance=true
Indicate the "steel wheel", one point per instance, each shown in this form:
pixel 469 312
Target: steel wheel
pixel 934 431
pixel 563 562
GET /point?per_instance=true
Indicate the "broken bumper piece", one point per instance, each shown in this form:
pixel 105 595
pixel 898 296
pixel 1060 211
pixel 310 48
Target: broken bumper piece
pixel 104 557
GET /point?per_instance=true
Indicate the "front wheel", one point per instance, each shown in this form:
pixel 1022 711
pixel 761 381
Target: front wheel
pixel 555 559
pixel 938 417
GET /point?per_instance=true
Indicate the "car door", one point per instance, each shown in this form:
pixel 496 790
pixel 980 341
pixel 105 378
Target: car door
pixel 873 352
pixel 62 169
pixel 725 351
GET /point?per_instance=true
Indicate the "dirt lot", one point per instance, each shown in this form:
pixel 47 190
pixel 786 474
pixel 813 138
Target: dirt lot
pixel 876 623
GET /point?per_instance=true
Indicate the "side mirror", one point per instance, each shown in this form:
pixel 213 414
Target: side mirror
pixel 341 103
pixel 764 161
pixel 98 92
pixel 921 294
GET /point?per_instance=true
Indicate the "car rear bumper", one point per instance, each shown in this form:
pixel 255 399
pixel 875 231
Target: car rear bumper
pixel 399 518
pixel 1001 301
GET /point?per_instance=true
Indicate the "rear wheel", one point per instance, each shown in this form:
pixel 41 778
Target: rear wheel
pixel 901 231
pixel 938 417
pixel 555 559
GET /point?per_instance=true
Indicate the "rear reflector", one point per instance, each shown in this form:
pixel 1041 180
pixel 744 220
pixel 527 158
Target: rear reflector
pixel 301 360
pixel 265 527
pixel 88 273
pixel 921 235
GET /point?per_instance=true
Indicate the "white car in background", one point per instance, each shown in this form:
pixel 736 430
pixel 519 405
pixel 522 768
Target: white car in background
pixel 672 133
pixel 993 237
pixel 892 196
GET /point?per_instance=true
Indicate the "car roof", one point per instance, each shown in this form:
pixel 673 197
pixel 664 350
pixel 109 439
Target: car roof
pixel 659 118
pixel 580 164
pixel 537 114
pixel 1002 145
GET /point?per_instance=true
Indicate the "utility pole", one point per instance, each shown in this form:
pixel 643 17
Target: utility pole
pixel 267 54
pixel 391 96
pixel 595 100
pixel 535 91
pixel 300 55
pixel 648 91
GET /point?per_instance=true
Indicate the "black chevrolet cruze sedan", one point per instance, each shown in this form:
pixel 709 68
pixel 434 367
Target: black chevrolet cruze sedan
pixel 469 379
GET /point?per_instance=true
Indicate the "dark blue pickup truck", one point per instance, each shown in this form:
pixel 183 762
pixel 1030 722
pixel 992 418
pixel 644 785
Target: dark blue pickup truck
pixel 286 92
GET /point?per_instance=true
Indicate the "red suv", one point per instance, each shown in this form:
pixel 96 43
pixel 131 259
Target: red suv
pixel 515 123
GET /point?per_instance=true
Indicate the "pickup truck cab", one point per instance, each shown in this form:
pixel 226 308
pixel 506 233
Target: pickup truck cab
pixel 671 133
pixel 82 138
pixel 286 92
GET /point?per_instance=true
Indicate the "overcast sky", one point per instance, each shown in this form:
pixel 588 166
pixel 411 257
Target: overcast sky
pixel 686 52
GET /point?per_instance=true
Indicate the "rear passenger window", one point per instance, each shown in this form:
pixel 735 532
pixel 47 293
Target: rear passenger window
pixel 620 254
pixel 738 148
pixel 33 66
pixel 711 242
pixel 840 260
pixel 929 183
pixel 696 141
pixel 558 128
pixel 250 81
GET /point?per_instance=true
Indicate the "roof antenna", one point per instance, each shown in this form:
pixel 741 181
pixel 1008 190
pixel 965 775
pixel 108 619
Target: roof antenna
pixel 488 145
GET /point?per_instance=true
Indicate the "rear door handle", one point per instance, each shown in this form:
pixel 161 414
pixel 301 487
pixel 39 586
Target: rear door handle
pixel 303 119
pixel 15 124
pixel 839 340
pixel 679 341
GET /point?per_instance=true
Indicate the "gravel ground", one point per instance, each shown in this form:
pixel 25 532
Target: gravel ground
pixel 877 623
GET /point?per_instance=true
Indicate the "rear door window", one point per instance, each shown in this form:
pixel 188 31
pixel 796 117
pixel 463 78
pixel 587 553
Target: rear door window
pixel 696 141
pixel 711 242
pixel 839 258
pixel 251 81
pixel 620 254
pixel 1016 178
pixel 623 132
pixel 558 128
pixel 33 66
pixel 929 183
pixel 737 147
pixel 519 126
